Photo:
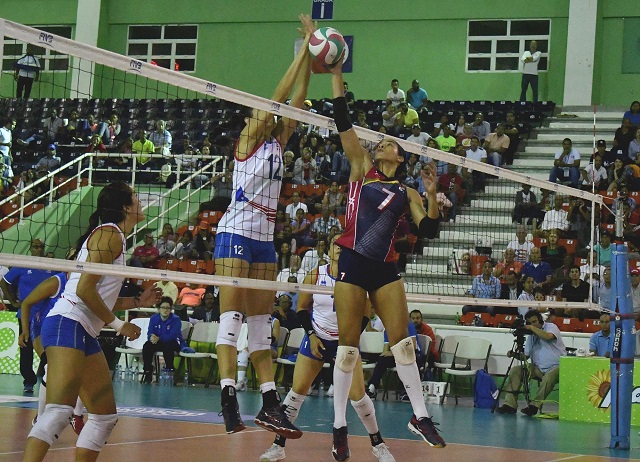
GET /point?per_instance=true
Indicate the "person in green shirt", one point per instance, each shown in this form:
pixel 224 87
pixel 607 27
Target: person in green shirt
pixel 446 142
pixel 143 147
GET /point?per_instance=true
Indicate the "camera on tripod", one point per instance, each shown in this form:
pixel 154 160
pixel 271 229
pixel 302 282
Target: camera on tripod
pixel 519 330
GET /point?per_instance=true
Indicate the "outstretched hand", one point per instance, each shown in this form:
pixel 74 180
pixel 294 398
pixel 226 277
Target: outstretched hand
pixel 429 178
pixel 150 297
pixel 308 26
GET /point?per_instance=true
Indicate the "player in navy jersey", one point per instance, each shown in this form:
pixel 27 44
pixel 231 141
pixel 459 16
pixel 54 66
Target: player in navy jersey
pixel 376 202
pixel 244 247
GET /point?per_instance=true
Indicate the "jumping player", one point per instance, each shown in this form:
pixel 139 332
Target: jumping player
pixel 244 247
pixel 318 347
pixel 77 365
pixel 376 202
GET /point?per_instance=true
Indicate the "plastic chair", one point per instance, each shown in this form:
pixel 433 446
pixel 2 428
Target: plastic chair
pixel 292 345
pixel 207 333
pixel 371 343
pixel 469 349
pixel 447 352
pixel 133 347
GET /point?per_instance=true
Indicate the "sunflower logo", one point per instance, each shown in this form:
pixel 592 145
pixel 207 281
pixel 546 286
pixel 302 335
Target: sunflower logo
pixel 598 387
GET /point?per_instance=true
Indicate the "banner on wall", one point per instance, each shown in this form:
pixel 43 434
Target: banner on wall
pixel 585 390
pixel 9 349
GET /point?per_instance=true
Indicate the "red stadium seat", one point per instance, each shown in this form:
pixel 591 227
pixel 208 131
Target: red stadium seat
pixel 591 325
pixel 173 264
pixel 569 244
pixel 7 223
pixel 31 209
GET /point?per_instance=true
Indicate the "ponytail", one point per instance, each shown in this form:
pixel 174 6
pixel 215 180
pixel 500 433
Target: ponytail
pixel 94 222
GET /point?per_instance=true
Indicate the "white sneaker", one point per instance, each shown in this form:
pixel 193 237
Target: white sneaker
pixel 372 392
pixel 382 452
pixel 241 385
pixel 276 453
pixel 329 392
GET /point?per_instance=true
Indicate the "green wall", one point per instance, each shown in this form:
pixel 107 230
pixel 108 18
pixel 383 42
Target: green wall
pixel 249 45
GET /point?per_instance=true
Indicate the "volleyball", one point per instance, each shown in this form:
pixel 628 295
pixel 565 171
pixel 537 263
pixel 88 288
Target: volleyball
pixel 327 45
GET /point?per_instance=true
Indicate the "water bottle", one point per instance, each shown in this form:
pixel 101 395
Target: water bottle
pixel 321 388
pixel 128 374
pixel 117 373
pixel 136 374
pixel 185 378
pixel 169 377
pixel 163 377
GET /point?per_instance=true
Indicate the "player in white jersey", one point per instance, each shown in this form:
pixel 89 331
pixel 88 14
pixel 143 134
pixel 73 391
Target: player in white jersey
pixel 244 247
pixel 77 365
pixel 318 318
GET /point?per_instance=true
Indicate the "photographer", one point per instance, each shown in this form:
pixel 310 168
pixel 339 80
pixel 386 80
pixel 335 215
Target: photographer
pixel 543 346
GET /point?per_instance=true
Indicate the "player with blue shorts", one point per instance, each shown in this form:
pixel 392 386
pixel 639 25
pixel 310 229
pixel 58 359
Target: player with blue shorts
pixel 244 246
pixel 318 318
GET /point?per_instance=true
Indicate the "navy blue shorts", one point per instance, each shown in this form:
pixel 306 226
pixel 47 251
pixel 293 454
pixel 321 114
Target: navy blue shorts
pixel 328 354
pixel 58 331
pixel 230 245
pixel 356 269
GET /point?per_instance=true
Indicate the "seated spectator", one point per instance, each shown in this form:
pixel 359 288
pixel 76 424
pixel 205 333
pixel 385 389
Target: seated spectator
pixel 185 247
pixel 315 256
pixel 623 137
pixel 143 147
pixel 418 136
pixel 168 288
pixel 603 249
pixel 334 199
pixel 417 97
pixel 576 290
pixel 221 192
pixel 441 165
pixel 284 256
pixel 526 206
pixel 293 270
pixel 70 131
pixel 594 175
pixel 389 117
pixel 512 129
pixel 50 162
pixel 616 176
pixel 602 290
pixel 553 253
pixel 521 245
pixel 285 236
pixel 304 169
pixel 587 269
pixel 527 293
pixel 496 144
pixel 407 118
pixel 322 225
pixel 566 166
pixel 395 95
pixel 161 139
pixel 548 314
pixel 508 264
pixel 90 127
pixel 284 313
pixel 361 119
pixel 166 242
pixel 623 198
pixel 535 267
pixel 511 288
pixel 608 157
pixel 451 185
pixel 54 127
pixel 464 138
pixel 475 152
pixel 561 275
pixel 601 342
pixel 209 310
pixel 27 177
pixel 485 286
pixel 204 242
pixel 295 204
pixel 458 129
pixel 438 127
pixel 633 114
pixel 579 216
pixel 146 255
pixel 423 328
pixel 165 335
pixel 114 129
pixel 556 218
pixel 481 128
pixel 288 163
pixel 445 141
pixel 301 228
pixel 190 297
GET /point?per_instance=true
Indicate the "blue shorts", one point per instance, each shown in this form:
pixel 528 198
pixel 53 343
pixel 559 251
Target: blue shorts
pixel 356 269
pixel 328 354
pixel 58 331
pixel 230 245
pixel 35 328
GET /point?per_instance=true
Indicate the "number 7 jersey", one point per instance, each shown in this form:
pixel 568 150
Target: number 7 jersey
pixel 256 189
pixel 374 207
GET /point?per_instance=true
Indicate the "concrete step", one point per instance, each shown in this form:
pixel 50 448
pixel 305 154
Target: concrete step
pixel 451 289
pixel 588 114
pixel 576 124
pixel 499 236
pixel 494 220
pixel 575 137
pixel 543 161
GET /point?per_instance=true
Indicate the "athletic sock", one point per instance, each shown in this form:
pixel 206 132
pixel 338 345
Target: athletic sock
pixel 79 408
pixel 367 413
pixel 341 385
pixel 410 377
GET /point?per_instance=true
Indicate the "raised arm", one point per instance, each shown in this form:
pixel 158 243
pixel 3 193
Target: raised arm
pixel 428 221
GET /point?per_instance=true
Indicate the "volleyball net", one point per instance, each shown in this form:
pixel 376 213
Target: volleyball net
pixel 184 181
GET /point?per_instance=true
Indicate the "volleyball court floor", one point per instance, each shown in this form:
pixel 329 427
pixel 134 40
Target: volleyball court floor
pixel 182 424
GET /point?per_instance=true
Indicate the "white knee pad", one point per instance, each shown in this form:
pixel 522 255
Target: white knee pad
pixel 51 423
pixel 96 431
pixel 229 330
pixel 404 352
pixel 259 328
pixel 346 358
pixel 243 358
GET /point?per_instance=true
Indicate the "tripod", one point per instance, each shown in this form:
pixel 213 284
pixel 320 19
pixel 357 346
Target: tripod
pixel 517 354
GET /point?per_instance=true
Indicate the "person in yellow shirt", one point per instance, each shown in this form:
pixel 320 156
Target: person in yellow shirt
pixel 407 118
pixel 143 147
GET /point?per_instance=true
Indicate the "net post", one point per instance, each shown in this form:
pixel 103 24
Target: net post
pixel 622 354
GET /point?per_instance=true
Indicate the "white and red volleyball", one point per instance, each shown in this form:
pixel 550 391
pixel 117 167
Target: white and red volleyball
pixel 327 45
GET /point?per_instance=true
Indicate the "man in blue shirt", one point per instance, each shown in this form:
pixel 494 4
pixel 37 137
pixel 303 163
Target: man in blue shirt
pixel 417 97
pixel 600 342
pixel 484 286
pixel 543 346
pixel 22 281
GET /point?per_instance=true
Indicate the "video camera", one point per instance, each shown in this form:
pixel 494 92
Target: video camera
pixel 518 329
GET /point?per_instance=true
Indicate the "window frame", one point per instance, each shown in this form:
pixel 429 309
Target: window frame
pixel 48 56
pixel 493 55
pixel 149 56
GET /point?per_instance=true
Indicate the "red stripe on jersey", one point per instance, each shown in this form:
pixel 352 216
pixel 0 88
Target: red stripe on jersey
pixel 348 238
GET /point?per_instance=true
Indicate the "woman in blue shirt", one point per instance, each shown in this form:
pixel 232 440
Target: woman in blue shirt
pixel 164 335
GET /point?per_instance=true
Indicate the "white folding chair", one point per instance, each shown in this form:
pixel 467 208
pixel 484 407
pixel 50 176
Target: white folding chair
pixel 203 332
pixel 371 343
pixel 447 351
pixel 133 347
pixel 469 349
pixel 292 345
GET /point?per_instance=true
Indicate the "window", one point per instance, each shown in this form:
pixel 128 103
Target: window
pixel 168 46
pixel 50 60
pixel 497 45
